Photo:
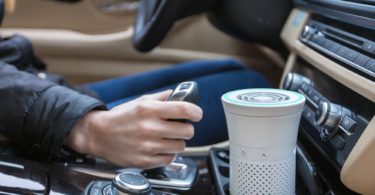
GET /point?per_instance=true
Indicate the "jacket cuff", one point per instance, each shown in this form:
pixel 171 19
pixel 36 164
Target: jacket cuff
pixel 52 117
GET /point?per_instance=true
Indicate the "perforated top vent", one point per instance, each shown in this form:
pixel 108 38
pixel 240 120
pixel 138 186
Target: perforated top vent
pixel 263 102
pixel 263 97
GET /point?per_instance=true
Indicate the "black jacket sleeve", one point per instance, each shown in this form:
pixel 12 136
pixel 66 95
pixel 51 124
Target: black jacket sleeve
pixel 38 114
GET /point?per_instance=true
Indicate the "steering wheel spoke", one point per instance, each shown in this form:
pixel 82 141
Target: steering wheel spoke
pixel 156 17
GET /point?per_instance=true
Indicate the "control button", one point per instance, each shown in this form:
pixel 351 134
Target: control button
pixel 328 115
pixel 351 55
pixel 321 113
pixel 315 97
pixel 309 115
pixel 369 46
pixel 309 91
pixel 95 191
pixel 348 125
pixel 305 88
pixel 100 184
pixel 107 190
pixel 294 81
pixel 315 38
pixel 361 60
pixel 306 31
pixel 323 42
pixel 338 142
pixel 243 153
pixel 371 65
pixel 347 53
pixel 133 179
pixel 223 155
pixel 320 40
pixel 331 46
pixel 263 155
pixel 185 86
pixel 341 51
pixel 130 183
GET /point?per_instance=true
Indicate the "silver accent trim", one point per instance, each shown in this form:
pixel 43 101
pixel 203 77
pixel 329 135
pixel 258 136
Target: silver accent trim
pixel 306 31
pixel 334 116
pixel 323 114
pixel 308 98
pixel 185 91
pixel 13 165
pixel 183 176
pixel 107 190
pixel 288 80
pixel 177 184
pixel 345 131
pixel 120 187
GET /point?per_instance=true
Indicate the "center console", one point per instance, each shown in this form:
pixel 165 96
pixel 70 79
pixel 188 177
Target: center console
pixel 332 63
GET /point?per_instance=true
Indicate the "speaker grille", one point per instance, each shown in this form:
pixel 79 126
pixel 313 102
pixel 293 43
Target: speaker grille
pixel 263 97
pixel 267 178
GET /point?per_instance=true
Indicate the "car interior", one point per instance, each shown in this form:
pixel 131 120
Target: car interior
pixel 322 49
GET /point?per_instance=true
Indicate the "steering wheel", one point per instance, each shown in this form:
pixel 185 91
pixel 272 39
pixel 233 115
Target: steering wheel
pixel 156 17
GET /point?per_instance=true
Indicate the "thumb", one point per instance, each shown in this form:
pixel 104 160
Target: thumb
pixel 162 96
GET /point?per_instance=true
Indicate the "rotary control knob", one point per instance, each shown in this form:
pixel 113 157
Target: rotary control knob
pixel 308 31
pixel 294 81
pixel 328 115
pixel 130 183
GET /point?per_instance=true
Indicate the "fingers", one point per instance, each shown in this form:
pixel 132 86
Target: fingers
pixel 181 110
pixel 172 109
pixel 169 110
pixel 161 96
pixel 164 146
pixel 162 129
pixel 178 110
pixel 174 130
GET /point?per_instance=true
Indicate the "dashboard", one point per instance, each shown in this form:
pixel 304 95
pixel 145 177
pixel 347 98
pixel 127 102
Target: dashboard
pixel 332 62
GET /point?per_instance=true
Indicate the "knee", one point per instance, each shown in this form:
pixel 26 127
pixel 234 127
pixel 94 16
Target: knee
pixel 221 65
pixel 248 78
pixel 234 64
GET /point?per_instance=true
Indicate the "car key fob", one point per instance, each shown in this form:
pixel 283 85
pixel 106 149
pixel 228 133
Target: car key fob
pixel 186 91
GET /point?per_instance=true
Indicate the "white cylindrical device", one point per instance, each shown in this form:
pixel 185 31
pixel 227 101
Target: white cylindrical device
pixel 263 127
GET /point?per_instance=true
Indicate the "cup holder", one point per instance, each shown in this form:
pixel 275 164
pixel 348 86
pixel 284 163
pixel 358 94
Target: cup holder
pixel 307 179
pixel 219 163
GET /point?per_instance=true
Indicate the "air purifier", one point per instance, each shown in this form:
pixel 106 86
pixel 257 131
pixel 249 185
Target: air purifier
pixel 263 127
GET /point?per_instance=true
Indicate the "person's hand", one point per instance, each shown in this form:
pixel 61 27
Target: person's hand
pixel 137 133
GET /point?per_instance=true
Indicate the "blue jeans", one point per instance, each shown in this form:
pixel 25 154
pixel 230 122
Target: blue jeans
pixel 214 78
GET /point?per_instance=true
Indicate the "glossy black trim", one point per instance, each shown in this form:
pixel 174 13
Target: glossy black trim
pixel 337 10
